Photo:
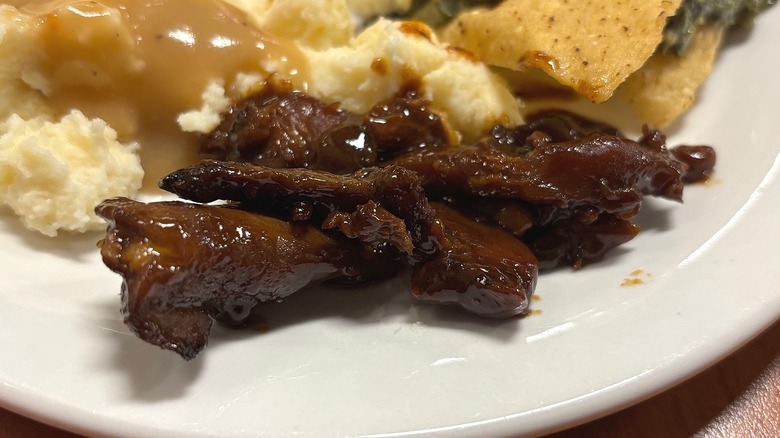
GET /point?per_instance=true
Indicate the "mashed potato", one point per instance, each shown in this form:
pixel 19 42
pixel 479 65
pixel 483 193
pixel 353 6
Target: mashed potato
pixel 55 167
pixel 358 72
pixel 312 23
pixel 52 174
pixel 375 65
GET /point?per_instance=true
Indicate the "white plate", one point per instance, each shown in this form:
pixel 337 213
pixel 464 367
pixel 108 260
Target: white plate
pixel 369 362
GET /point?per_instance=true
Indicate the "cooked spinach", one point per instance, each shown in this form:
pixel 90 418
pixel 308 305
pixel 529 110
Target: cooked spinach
pixel 693 14
pixel 439 12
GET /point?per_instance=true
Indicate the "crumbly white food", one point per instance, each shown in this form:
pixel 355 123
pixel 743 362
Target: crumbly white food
pixel 376 64
pixel 207 117
pixel 53 174
pixel 311 23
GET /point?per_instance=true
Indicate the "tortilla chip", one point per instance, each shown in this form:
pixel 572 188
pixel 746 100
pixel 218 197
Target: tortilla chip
pixel 591 46
pixel 665 87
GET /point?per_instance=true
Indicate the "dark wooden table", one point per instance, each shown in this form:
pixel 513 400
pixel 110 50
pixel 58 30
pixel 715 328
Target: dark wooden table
pixel 738 397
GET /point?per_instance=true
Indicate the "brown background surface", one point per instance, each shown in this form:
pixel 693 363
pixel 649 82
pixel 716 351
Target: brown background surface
pixel 738 397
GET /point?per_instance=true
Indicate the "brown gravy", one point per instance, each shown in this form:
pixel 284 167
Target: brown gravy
pixel 138 64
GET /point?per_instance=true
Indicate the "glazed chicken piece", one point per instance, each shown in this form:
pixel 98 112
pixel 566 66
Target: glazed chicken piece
pixel 577 238
pixel 482 269
pixel 602 171
pixel 284 128
pixel 559 189
pixel 184 263
pixel 312 194
pixel 556 236
pixel 556 158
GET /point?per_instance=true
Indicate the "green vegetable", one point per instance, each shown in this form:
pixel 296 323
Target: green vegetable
pixel 439 12
pixel 678 33
pixel 693 14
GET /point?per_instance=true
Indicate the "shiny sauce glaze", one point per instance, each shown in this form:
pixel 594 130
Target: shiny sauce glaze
pixel 475 223
pixel 139 64
pixel 699 162
pixel 176 283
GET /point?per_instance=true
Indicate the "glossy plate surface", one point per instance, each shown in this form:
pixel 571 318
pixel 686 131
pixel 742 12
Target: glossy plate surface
pixel 370 362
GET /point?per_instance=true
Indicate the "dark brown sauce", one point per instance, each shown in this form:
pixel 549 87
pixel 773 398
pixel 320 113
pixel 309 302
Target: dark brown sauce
pixel 474 222
pixel 416 29
pixel 379 66
pixel 699 162
pixel 281 127
pixel 546 93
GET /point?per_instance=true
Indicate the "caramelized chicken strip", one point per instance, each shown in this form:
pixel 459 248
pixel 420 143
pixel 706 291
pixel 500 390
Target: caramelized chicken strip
pixel 285 128
pixel 556 236
pixel 372 225
pixel 262 188
pixel 600 170
pixel 482 269
pixel 550 126
pixel 183 264
pixel 699 161
pixel 577 239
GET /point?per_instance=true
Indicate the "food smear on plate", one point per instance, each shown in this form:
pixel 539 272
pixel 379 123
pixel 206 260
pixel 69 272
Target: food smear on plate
pixel 636 278
pixel 296 88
